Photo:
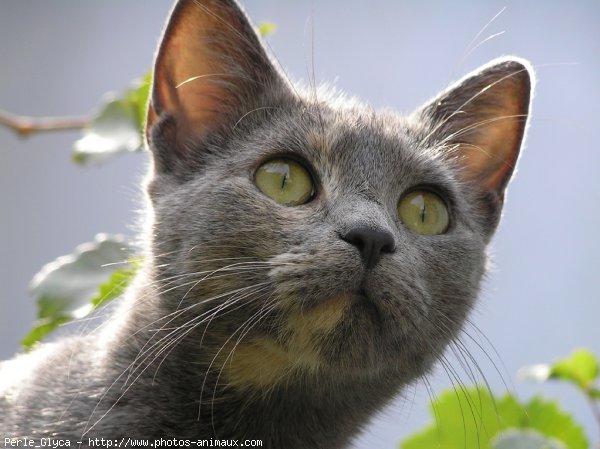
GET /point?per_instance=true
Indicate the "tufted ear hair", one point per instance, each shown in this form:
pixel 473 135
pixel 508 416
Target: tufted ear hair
pixel 210 67
pixel 481 122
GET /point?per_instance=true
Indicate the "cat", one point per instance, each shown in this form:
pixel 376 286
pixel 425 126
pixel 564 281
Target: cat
pixel 307 257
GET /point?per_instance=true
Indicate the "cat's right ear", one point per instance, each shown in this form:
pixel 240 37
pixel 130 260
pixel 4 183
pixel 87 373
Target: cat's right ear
pixel 479 124
pixel 210 70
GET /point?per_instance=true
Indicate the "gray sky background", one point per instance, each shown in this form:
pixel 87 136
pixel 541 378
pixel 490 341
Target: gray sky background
pixel 541 299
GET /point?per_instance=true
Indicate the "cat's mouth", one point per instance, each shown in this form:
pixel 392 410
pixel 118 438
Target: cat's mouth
pixel 344 299
pixel 305 341
pixel 323 315
pixel 367 304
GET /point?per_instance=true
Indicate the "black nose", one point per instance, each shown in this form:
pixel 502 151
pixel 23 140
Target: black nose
pixel 371 243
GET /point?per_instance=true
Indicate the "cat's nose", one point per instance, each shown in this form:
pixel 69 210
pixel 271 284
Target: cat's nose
pixel 371 243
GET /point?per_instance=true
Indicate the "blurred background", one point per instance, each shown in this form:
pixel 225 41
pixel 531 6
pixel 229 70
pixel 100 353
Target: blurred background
pixel 541 299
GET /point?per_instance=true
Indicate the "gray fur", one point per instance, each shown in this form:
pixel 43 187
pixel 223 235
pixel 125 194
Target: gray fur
pixel 207 217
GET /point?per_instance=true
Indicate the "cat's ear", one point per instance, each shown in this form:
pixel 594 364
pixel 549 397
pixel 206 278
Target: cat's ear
pixel 209 66
pixel 481 121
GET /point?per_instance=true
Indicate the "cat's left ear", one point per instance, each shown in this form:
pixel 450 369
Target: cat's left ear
pixel 210 70
pixel 480 122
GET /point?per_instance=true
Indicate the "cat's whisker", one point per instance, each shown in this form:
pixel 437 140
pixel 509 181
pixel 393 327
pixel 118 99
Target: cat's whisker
pixel 126 389
pixel 454 382
pixel 205 75
pixel 246 328
pixel 460 351
pixel 114 264
pixel 476 363
pixel 462 348
pixel 173 315
pixel 213 273
pixel 262 108
pixel 236 296
pixel 472 46
pixel 453 375
pixel 227 305
pixel 488 356
pixel 432 398
pixel 466 353
pixel 312 79
pixel 179 311
pixel 438 126
pixel 451 138
pixel 461 392
pixel 269 304
pixel 469 364
pixel 483 41
pixel 255 317
pixel 184 334
pixel 200 317
pixel 160 282
pixel 124 311
pixel 465 359
pixel 247 41
pixel 87 428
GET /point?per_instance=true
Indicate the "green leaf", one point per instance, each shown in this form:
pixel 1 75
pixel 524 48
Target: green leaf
pixel 472 418
pixel 547 418
pixel 525 439
pixel 266 28
pixel 117 127
pixel 116 284
pixel 65 287
pixel 581 368
pixel 42 328
pixel 466 418
pixel 113 130
pixel 137 97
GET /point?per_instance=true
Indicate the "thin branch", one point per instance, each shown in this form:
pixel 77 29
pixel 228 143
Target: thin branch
pixel 25 126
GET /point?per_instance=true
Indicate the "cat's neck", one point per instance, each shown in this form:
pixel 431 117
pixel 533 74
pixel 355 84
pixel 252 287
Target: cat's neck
pixel 309 409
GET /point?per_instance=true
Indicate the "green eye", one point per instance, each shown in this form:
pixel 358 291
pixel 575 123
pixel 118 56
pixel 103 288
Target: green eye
pixel 285 181
pixel 424 212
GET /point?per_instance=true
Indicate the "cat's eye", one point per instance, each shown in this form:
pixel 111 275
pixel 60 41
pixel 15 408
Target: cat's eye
pixel 286 181
pixel 424 213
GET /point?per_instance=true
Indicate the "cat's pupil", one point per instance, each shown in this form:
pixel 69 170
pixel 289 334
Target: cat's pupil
pixel 424 212
pixel 286 181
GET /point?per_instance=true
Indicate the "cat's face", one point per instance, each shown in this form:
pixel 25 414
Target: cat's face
pixel 306 232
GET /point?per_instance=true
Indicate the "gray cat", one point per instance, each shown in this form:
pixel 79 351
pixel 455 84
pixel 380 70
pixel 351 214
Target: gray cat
pixel 307 257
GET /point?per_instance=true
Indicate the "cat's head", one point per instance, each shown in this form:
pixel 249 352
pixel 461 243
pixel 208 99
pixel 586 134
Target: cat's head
pixel 310 233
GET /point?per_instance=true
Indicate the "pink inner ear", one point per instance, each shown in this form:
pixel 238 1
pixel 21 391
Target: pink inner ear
pixel 489 129
pixel 201 104
pixel 208 53
pixel 491 156
pixel 183 70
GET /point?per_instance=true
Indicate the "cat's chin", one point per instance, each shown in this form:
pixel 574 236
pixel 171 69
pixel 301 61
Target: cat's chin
pixel 345 336
pixel 355 332
pixel 362 342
